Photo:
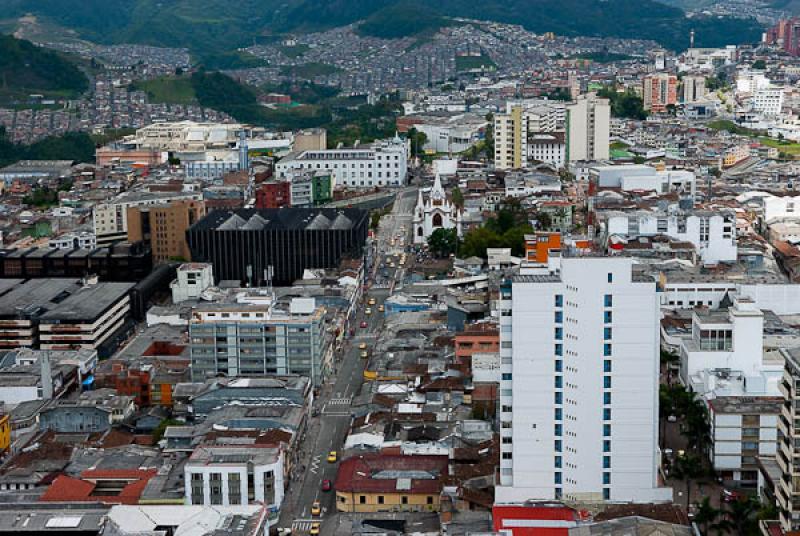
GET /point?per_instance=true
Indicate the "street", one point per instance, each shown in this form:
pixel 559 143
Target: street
pixel 328 429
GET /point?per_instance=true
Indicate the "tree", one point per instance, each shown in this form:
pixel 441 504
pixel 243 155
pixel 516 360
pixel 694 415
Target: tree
pixel 759 65
pixel 544 220
pixel 741 517
pixel 443 242
pixel 706 515
pixel 489 139
pixel 476 241
pixel 457 197
pixel 688 468
pixel 418 141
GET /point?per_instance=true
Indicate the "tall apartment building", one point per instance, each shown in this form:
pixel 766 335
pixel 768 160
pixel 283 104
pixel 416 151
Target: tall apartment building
pixel 252 337
pixel 588 126
pixel 381 163
pixel 693 88
pixel 659 90
pixel 110 219
pixel 768 101
pixel 514 128
pixel 788 456
pixel 579 348
pixel 164 226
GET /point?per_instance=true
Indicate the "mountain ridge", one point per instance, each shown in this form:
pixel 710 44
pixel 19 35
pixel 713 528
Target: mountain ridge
pixel 212 26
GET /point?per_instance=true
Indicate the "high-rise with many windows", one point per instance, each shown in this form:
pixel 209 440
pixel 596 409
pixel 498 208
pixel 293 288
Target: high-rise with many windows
pixel 579 390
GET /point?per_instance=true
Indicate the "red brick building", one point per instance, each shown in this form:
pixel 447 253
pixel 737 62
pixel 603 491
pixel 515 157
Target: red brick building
pixel 274 194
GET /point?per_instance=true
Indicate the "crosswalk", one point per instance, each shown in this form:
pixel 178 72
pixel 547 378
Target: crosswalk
pixel 338 406
pixel 340 401
pixel 302 525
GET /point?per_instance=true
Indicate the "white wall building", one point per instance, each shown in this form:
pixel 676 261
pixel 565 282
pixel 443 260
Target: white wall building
pixel 382 163
pixel 235 475
pixel 73 241
pixel 547 147
pixel 768 102
pixel 588 125
pixel 436 212
pixel 192 280
pixel 579 392
pixel 693 88
pixel 514 128
pixel 641 177
pixel 712 233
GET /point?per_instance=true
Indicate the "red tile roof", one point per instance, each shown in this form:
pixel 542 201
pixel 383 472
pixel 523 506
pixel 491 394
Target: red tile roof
pixel 357 474
pixel 537 520
pixel 68 489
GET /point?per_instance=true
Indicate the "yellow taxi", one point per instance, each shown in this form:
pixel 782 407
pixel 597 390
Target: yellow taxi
pixel 368 311
pixel 364 354
pixel 332 456
pixel 381 308
pixel 314 528
pixel 372 301
pixel 316 509
pixel 362 346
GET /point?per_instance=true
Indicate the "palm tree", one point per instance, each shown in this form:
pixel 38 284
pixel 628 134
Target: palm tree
pixel 688 468
pixel 706 515
pixel 741 515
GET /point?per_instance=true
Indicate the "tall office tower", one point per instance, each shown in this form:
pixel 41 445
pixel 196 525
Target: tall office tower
pixel 694 88
pixel 659 90
pixel 787 489
pixel 588 126
pixel 579 347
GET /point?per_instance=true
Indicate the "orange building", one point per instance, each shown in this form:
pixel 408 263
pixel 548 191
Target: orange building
pixel 539 245
pixel 659 90
pixel 164 226
pixel 107 157
pixel 476 338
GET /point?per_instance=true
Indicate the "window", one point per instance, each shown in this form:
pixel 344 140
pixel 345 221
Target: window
pixel 606 462
pixel 559 334
pixel 506 455
pixel 607 349
pixel 607 333
pixel 606 414
pixel 607 382
pixel 404 499
pixel 557 477
pixel 559 300
pixel 505 409
pixel 559 414
pixel 610 277
pixel 606 430
pixel 558 432
pixel 557 462
pixel 606 398
pixel 380 499
pixel 559 317
pixel 557 445
pixel 607 317
pixel 559 349
pixel 607 365
pixel 559 398
pixel 506 376
pixel 362 499
pixel 606 479
pixel 606 445
pixel 606 494
pixel 430 499
pixel 559 382
pixel 559 365
pixel 608 300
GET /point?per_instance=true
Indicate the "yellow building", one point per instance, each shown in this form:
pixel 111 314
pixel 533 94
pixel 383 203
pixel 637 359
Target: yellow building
pixel 390 482
pixel 5 433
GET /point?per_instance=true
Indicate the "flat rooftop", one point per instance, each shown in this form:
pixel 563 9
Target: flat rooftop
pixel 88 302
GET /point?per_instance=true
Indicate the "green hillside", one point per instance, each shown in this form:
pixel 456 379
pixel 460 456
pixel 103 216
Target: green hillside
pixel 26 68
pixel 167 89
pixel 211 27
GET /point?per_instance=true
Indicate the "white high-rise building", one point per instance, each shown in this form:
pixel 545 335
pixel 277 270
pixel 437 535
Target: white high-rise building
pixel 514 129
pixel 588 128
pixel 579 391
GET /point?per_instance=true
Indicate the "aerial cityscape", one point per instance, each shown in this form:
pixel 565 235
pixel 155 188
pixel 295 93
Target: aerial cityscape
pixel 318 267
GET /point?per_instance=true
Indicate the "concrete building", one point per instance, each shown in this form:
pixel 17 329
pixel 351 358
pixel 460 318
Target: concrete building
pixel 659 90
pixel 274 194
pixel 629 177
pixel 110 220
pixel 192 280
pixel 588 125
pixel 514 128
pixel 381 163
pixel 693 89
pixel 229 475
pixel 178 520
pixel 80 240
pixel 250 336
pixel 164 226
pixel 768 101
pixel 94 411
pixel 437 212
pixel 713 234
pixel 547 147
pixel 573 425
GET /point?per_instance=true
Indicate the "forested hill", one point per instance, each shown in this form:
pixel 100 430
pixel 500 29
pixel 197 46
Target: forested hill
pixel 26 68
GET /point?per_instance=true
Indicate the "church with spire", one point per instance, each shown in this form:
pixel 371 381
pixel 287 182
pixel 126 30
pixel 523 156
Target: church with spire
pixel 435 212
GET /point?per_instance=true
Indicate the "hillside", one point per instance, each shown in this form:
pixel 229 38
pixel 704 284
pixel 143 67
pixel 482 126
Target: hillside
pixel 26 68
pixel 213 26
pixel 402 20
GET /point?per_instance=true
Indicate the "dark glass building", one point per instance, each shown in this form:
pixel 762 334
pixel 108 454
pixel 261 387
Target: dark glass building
pixel 242 244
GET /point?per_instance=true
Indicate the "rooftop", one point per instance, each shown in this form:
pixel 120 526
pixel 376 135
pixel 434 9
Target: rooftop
pixel 390 473
pixel 285 219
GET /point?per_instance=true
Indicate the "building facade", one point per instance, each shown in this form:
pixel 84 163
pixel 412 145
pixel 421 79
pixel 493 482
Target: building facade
pixel 588 128
pixel 164 226
pixel 437 212
pixel 579 348
pixel 381 163
pixel 659 91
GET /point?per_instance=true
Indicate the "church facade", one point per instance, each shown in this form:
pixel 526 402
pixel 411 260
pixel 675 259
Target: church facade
pixel 435 212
